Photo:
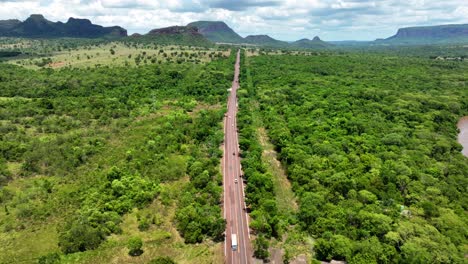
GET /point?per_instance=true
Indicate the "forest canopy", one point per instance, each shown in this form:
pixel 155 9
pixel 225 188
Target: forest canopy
pixel 369 144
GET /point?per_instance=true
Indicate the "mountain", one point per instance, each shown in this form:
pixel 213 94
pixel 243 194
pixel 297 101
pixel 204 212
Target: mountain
pixel 264 40
pixel 84 28
pixel 175 30
pixel 217 31
pixel 177 35
pixel 36 26
pixel 8 24
pixel 429 35
pixel 315 43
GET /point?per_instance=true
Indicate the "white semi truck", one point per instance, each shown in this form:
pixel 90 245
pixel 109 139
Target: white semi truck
pixel 234 242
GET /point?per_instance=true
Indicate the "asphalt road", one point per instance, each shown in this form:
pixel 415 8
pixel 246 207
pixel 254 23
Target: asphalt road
pixel 235 213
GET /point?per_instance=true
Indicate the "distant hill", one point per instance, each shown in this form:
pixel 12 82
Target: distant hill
pixel 177 35
pixel 175 30
pixel 429 35
pixel 8 24
pixel 315 43
pixel 217 31
pixel 264 40
pixel 199 33
pixel 36 26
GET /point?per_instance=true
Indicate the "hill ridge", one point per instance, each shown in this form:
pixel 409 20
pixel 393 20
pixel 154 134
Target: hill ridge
pixel 429 34
pixel 37 26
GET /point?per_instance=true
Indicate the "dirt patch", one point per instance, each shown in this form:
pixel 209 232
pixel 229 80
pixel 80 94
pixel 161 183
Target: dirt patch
pixel 57 64
pixel 276 256
pixel 301 259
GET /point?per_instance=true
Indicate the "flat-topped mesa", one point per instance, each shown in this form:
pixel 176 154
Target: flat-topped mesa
pixel 175 35
pixel 259 38
pixel 36 17
pixel 175 30
pixel 78 21
pixel 456 33
pixel 443 31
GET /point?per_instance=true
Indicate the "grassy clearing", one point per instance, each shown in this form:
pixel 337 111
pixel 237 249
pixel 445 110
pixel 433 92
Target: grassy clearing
pixel 120 54
pixel 22 239
pixel 25 243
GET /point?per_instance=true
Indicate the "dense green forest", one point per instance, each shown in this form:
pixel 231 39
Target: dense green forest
pixel 369 144
pixel 81 150
pixel 102 162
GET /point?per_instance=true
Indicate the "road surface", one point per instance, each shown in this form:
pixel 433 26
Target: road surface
pixel 234 204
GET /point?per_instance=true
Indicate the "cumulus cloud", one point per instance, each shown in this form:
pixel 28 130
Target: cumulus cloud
pixel 129 4
pixel 241 5
pixel 282 19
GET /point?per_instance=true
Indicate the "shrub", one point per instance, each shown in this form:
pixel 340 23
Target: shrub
pixel 162 260
pixel 79 235
pixel 51 258
pixel 134 246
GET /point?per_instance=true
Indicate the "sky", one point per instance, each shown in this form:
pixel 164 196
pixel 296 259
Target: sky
pixel 282 19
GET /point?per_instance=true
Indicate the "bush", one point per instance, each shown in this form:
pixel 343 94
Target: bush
pixel 261 248
pixel 162 260
pixel 79 235
pixel 51 258
pixel 143 224
pixel 134 246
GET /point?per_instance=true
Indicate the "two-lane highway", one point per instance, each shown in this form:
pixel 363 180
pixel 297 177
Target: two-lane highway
pixel 237 222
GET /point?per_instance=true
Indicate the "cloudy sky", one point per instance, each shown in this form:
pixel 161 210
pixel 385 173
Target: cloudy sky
pixel 281 19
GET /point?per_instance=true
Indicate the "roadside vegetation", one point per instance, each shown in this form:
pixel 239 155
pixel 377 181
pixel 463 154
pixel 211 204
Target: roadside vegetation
pixel 269 194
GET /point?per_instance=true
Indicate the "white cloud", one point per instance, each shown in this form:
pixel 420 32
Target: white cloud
pixel 282 19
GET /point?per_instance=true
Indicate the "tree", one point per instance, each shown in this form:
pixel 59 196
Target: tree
pixel 134 246
pixel 261 246
pixel 78 235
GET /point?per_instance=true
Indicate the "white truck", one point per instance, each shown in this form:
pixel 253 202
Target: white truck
pixel 234 242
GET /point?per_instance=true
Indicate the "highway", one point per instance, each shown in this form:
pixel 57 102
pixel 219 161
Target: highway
pixel 236 216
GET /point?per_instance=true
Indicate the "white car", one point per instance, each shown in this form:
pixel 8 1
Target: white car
pixel 235 180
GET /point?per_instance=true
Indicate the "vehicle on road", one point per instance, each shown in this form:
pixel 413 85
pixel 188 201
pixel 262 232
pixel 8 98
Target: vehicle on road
pixel 235 180
pixel 234 242
pixel 233 153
